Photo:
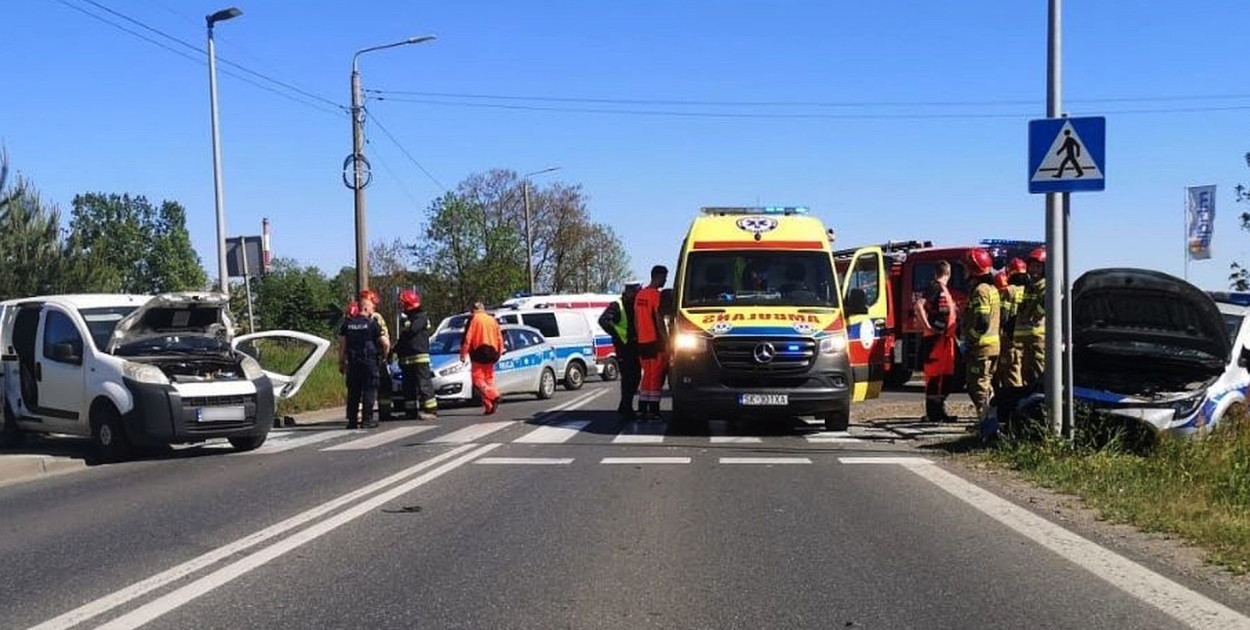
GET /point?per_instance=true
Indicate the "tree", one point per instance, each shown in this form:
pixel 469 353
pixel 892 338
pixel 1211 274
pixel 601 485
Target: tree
pixel 470 252
pixel 30 247
pixel 1239 279
pixel 295 297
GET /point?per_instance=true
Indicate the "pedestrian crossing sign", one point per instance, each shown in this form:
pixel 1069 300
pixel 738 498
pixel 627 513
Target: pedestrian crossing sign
pixel 1067 154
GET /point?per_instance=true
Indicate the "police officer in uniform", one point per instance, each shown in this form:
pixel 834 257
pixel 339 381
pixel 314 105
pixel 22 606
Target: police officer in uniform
pixel 618 321
pixel 979 331
pixel 361 342
pixel 413 350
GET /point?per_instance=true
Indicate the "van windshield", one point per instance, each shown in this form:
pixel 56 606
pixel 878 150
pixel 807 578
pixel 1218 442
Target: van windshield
pixel 101 322
pixel 759 278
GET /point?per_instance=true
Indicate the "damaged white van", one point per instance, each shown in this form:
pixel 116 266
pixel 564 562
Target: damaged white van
pixel 137 370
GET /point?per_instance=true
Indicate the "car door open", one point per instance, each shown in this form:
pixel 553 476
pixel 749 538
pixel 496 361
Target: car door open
pixel 286 356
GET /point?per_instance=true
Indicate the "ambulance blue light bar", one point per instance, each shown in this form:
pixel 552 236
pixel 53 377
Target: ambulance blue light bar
pixel 785 210
pixel 1001 242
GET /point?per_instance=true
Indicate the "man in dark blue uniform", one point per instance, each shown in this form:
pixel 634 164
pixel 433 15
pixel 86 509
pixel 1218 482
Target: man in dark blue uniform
pixel 361 343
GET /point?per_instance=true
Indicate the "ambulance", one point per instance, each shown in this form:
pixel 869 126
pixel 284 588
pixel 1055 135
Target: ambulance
pixel 764 326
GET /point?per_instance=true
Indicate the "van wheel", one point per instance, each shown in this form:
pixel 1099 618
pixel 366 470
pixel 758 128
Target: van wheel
pixel 838 420
pixel 248 443
pixel 575 376
pixel 10 434
pixel 547 384
pixel 611 370
pixel 108 435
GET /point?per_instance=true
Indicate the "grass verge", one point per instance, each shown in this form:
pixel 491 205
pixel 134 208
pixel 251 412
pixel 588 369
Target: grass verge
pixel 325 387
pixel 1198 489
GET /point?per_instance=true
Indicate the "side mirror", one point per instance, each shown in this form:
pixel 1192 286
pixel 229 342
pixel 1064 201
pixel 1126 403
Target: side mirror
pixel 1243 360
pixel 856 302
pixel 66 353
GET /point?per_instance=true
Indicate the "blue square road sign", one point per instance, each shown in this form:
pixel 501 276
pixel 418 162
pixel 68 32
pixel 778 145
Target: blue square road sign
pixel 1067 154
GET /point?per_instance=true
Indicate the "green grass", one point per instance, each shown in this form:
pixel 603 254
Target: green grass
pixel 1198 489
pixel 324 388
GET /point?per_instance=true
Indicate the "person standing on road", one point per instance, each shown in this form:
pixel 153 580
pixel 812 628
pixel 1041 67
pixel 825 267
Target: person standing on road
pixel 361 341
pixel 936 312
pixel 384 370
pixel 979 335
pixel 617 320
pixel 413 350
pixel 482 346
pixel 1030 331
pixel 1008 373
pixel 652 343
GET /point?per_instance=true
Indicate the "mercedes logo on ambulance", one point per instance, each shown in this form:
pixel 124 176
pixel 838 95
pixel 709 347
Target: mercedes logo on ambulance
pixel 764 353
pixel 757 225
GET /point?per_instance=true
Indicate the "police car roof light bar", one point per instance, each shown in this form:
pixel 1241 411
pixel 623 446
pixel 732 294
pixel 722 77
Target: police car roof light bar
pixel 728 210
pixel 1231 297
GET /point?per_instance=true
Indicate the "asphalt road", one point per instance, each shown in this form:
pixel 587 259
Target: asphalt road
pixel 535 518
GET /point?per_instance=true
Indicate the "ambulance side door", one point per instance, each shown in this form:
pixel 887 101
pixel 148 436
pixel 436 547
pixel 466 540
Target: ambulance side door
pixel 866 302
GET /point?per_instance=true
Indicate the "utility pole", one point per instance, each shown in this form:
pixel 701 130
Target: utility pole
pixel 1057 204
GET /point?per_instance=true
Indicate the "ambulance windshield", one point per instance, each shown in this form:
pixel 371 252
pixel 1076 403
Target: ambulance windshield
pixel 759 278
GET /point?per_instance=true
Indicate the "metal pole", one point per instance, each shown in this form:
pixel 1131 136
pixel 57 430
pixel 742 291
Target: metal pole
pixel 1055 245
pixel 358 155
pixel 247 284
pixel 529 238
pixel 1069 408
pixel 1185 234
pixel 223 281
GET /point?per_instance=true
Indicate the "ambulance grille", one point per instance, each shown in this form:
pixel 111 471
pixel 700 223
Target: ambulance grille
pixel 738 354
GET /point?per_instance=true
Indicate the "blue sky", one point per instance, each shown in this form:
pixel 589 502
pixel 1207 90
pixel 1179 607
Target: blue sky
pixel 86 107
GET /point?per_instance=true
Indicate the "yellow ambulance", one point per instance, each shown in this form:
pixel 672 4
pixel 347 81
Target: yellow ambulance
pixel 763 325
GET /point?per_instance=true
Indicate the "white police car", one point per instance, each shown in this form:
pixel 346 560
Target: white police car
pixel 1154 348
pixel 528 366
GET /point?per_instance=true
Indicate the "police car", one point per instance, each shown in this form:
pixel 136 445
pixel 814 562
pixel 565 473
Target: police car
pixel 528 366
pixel 571 333
pixel 1154 348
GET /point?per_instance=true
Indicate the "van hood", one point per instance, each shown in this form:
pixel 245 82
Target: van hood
pixel 1144 326
pixel 195 314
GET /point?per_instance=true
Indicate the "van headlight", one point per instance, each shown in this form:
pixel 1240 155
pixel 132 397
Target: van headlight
pixel 689 342
pixel 454 368
pixel 251 369
pixel 1186 407
pixel 144 373
pixel 833 343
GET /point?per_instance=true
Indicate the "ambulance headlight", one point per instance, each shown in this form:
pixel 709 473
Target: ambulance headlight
pixel 833 343
pixel 689 342
pixel 144 373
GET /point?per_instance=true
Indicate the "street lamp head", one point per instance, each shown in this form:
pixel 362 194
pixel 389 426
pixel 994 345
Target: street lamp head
pixel 222 15
pixel 420 39
pixel 545 170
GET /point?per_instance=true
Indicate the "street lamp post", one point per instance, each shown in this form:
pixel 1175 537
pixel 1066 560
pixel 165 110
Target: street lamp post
pixel 222 280
pixel 358 162
pixel 529 235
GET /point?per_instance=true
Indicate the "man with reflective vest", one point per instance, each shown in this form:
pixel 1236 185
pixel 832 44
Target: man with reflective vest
pixel 1030 331
pixel 652 344
pixel 384 373
pixel 1011 290
pixel 617 320
pixel 936 312
pixel 979 331
pixel 412 349
pixel 482 346
pixel 361 342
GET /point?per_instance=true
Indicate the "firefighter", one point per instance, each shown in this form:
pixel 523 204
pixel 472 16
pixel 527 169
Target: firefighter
pixel 384 372
pixel 482 346
pixel 412 348
pixel 617 321
pixel 936 311
pixel 361 341
pixel 1011 290
pixel 979 331
pixel 1030 331
pixel 652 342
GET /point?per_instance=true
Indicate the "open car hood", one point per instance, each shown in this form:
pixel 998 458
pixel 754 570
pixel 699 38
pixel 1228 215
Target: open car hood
pixel 187 313
pixel 1138 319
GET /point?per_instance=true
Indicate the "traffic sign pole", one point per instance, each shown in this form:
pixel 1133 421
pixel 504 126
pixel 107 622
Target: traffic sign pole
pixel 1056 250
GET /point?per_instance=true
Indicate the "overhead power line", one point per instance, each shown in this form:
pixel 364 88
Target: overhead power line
pixel 397 143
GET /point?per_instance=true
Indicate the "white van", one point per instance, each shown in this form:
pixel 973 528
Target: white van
pixel 133 370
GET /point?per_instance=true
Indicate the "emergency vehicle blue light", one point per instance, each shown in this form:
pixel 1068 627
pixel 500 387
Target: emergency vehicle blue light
pixel 756 210
pixel 792 348
pixel 1231 297
pixel 1002 242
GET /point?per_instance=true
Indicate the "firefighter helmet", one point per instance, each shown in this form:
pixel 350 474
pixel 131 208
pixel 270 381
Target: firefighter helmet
pixel 409 300
pixel 1000 281
pixel 1038 255
pixel 978 262
pixel 1016 266
pixel 369 294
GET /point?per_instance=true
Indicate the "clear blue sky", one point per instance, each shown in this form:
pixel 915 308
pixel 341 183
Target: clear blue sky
pixel 84 106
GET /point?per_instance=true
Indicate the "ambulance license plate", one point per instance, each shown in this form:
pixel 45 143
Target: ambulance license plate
pixel 763 400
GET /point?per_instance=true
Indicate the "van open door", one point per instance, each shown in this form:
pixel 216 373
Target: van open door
pixel 866 302
pixel 287 357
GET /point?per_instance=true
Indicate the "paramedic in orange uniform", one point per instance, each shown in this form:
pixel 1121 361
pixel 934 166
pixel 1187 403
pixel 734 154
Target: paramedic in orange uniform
pixel 483 345
pixel 652 342
pixel 936 311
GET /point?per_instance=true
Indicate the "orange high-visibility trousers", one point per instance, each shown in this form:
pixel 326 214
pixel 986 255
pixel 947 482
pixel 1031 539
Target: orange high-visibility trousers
pixel 483 375
pixel 654 369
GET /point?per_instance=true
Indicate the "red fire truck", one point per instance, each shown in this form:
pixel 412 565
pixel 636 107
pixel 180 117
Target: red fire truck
pixel 912 267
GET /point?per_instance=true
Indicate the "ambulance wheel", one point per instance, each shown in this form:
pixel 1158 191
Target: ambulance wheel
pixel 611 371
pixel 575 376
pixel 898 376
pixel 838 420
pixel 547 384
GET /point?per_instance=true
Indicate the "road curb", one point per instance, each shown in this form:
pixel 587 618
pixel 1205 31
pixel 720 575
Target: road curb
pixel 24 467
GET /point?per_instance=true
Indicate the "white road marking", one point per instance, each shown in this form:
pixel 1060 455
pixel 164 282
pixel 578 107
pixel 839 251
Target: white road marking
pixel 735 439
pixel 638 438
pixel 553 434
pixel 181 596
pixel 378 439
pixel 906 461
pixel 540 461
pixel 286 444
pixel 472 432
pixel 1183 604
pixel 645 460
pixel 141 588
pixel 577 403
pixel 833 439
pixel 765 460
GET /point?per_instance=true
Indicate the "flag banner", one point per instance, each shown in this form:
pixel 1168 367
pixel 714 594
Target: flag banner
pixel 1200 205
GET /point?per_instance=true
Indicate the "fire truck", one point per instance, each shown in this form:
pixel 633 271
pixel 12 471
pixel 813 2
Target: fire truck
pixel 912 266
